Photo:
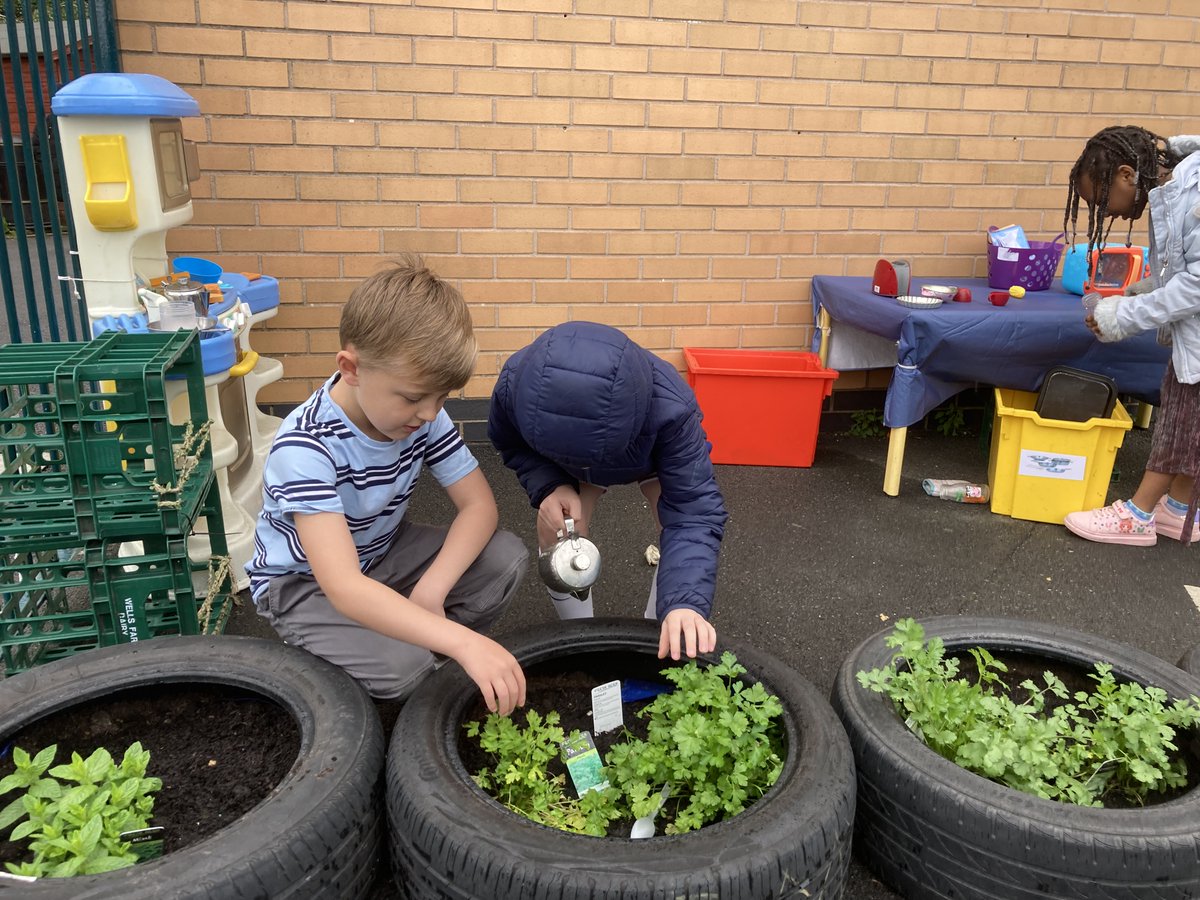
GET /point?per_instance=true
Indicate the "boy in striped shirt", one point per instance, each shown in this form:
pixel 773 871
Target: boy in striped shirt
pixel 337 569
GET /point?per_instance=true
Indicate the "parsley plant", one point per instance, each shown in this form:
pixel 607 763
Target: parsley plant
pixel 520 778
pixel 1114 741
pixel 715 741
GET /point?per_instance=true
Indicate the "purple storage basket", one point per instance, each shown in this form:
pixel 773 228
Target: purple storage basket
pixel 1033 268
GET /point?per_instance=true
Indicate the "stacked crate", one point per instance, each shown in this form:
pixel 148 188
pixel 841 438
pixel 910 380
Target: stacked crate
pixel 100 491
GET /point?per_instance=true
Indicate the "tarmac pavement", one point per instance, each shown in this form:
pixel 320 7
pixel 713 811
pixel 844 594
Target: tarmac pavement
pixel 815 560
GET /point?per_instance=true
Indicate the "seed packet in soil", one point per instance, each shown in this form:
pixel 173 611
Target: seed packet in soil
pixel 583 763
pixel 146 843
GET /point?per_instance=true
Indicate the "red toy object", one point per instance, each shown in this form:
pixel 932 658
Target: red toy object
pixel 962 295
pixel 891 278
pixel 998 298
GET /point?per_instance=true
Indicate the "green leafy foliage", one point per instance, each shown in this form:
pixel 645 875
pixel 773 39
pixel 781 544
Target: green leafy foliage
pixel 1082 747
pixel 867 423
pixel 520 778
pixel 714 740
pixel 73 814
pixel 950 420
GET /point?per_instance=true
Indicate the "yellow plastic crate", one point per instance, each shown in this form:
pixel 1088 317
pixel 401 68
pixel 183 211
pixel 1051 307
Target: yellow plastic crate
pixel 1041 469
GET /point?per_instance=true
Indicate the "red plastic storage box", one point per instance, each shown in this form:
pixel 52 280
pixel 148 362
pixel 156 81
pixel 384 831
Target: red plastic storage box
pixel 761 407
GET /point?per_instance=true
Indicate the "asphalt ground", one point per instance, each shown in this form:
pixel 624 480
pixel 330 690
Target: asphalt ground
pixel 815 560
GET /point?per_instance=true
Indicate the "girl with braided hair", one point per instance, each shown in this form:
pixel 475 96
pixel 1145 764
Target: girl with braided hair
pixel 1122 171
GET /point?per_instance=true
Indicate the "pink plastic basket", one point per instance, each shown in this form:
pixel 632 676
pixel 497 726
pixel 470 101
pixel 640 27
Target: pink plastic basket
pixel 1032 268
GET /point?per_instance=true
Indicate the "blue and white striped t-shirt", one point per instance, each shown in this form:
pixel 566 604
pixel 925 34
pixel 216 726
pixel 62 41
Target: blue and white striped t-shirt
pixel 321 462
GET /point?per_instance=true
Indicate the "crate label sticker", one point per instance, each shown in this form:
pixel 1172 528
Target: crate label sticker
pixel 1043 464
pixel 606 707
pixel 131 624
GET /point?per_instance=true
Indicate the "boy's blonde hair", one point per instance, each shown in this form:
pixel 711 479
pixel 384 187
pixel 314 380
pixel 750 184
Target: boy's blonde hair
pixel 406 315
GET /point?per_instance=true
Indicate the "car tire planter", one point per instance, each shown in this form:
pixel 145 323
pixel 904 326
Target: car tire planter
pixel 317 835
pixel 451 840
pixel 933 830
pixel 1190 662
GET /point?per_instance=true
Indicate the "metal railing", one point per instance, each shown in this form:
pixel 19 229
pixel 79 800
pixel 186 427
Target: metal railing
pixel 45 44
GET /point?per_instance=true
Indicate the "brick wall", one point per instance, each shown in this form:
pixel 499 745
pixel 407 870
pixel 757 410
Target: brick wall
pixel 677 168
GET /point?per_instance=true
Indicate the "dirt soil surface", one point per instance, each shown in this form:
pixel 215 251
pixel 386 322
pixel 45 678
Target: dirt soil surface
pixel 219 751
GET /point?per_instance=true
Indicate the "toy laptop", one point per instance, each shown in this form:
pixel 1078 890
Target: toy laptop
pixel 1114 269
pixel 1073 395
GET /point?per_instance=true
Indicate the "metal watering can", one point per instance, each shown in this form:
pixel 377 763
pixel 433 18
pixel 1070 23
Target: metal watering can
pixel 572 565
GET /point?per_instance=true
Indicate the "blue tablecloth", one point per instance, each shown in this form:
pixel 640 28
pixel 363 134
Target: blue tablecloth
pixel 942 351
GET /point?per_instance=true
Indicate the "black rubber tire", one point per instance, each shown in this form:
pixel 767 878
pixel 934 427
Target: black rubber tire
pixel 316 836
pixel 450 840
pixel 1190 661
pixel 931 829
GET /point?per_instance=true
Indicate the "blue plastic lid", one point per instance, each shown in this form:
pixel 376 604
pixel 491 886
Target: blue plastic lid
pixel 260 294
pixel 121 94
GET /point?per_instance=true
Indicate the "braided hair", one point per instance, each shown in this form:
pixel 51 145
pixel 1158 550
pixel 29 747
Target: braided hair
pixel 1120 145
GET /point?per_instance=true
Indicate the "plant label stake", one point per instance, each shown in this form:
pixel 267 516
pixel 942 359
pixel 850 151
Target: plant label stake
pixel 607 713
pixel 146 843
pixel 583 763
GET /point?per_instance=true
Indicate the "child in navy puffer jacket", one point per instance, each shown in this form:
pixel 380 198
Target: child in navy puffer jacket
pixel 584 407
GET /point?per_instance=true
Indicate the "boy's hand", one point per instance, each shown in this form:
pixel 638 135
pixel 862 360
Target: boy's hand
pixel 561 502
pixel 496 672
pixel 689 629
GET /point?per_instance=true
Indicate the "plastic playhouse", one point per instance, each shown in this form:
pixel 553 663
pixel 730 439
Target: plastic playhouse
pixel 139 453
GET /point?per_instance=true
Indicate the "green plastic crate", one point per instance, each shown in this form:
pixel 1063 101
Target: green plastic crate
pixel 35 489
pixel 57 602
pixel 37 623
pixel 86 435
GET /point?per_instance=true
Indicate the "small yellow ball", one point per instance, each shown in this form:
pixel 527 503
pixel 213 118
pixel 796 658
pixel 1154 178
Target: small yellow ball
pixel 1016 291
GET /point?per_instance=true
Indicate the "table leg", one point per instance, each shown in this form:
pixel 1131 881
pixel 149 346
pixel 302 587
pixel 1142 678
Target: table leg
pixel 1143 415
pixel 895 461
pixel 823 325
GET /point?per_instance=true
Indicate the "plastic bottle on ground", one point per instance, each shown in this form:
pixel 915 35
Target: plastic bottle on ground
pixel 958 491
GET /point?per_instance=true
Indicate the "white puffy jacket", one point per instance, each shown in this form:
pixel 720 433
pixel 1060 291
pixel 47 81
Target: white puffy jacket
pixel 1173 306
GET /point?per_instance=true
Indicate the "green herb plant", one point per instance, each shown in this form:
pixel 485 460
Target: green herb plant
pixel 714 740
pixel 520 778
pixel 1083 747
pixel 74 814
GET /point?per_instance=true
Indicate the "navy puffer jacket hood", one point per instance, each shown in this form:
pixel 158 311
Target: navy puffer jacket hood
pixel 585 403
pixel 583 395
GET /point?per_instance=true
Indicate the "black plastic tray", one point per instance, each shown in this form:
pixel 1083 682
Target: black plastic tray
pixel 1073 395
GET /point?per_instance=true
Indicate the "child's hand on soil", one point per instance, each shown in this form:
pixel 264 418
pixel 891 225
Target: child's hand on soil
pixel 688 630
pixel 496 672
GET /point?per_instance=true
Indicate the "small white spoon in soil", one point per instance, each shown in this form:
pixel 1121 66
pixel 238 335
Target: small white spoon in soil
pixel 644 827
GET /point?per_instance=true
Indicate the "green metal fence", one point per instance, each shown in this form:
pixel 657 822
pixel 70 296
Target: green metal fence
pixel 45 43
